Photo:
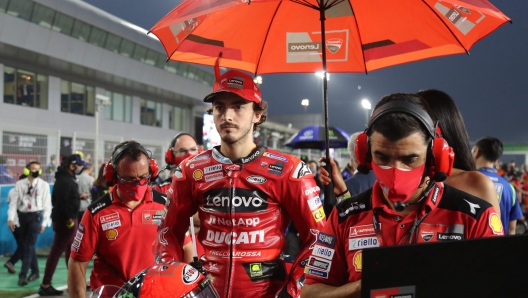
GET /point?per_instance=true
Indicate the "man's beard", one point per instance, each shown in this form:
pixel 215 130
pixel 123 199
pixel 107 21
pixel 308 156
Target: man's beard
pixel 231 139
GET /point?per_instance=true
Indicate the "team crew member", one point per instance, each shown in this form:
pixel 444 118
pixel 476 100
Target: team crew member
pixel 245 196
pixel 31 202
pixel 407 204
pixel 65 199
pixel 486 153
pixel 181 147
pixel 120 227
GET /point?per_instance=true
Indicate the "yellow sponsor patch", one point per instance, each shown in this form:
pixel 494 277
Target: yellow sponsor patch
pixel 197 174
pixel 495 224
pixel 111 234
pixel 318 214
pixel 357 260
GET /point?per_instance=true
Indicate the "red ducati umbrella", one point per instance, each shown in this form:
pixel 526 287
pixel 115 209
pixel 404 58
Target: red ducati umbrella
pixel 281 36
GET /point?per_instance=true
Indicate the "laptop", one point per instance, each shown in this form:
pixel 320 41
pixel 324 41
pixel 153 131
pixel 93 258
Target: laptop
pixel 486 267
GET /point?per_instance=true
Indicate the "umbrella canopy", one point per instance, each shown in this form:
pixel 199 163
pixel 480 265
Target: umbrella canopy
pixel 269 36
pixel 282 36
pixel 314 137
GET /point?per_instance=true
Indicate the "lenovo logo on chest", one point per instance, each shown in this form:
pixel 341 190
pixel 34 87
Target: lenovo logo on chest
pixel 244 200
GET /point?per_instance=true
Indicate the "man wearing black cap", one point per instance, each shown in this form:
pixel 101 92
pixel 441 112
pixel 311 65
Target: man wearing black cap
pixel 66 200
pixel 245 196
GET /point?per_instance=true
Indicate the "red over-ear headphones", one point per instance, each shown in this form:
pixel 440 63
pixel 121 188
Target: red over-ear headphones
pixel 110 172
pixel 440 164
pixel 170 159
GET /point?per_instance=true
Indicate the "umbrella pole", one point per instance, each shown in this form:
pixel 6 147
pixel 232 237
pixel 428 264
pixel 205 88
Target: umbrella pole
pixel 329 199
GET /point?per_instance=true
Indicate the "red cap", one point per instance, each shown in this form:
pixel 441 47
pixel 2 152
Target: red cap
pixel 238 83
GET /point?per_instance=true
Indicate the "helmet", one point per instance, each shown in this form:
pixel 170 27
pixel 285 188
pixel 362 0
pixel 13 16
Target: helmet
pixel 168 280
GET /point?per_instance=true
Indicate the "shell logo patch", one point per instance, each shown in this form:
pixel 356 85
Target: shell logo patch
pixel 357 260
pixel 197 174
pixel 495 224
pixel 111 234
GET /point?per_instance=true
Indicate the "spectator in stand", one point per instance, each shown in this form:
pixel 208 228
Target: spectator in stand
pixel 6 176
pixel 66 199
pixel 486 153
pixel 100 187
pixel 85 181
pixel 31 202
pixel 51 168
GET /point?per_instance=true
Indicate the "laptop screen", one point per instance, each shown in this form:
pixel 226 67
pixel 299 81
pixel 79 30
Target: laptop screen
pixel 487 267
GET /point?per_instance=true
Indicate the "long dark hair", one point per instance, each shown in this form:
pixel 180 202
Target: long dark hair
pixel 445 111
pixel 100 181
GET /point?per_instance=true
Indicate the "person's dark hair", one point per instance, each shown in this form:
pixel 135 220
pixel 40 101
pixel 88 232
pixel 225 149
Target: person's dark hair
pixel 34 162
pixel 3 159
pixel 262 108
pixel 396 126
pixel 100 181
pixel 175 139
pixel 490 148
pixel 446 113
pixel 134 152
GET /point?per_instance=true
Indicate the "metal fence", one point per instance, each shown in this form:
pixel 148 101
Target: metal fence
pixel 21 145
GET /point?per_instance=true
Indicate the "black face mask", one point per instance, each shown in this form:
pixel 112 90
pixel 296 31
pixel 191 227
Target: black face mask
pixel 35 174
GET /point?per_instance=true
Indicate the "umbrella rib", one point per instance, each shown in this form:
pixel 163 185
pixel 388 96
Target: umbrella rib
pixel 334 3
pixel 267 34
pixel 359 36
pixel 442 21
pixel 305 3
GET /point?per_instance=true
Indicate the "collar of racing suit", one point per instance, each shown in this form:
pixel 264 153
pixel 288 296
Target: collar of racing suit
pixel 218 156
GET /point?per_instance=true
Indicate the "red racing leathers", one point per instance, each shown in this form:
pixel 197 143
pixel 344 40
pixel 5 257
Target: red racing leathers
pixel 244 208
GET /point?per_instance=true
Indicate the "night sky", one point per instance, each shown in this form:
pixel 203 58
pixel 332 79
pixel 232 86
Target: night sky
pixel 490 86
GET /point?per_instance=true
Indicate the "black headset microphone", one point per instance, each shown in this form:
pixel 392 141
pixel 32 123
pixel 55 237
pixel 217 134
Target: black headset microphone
pixel 399 206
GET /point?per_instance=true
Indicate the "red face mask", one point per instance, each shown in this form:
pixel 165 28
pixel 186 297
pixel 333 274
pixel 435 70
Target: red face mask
pixel 178 160
pixel 398 184
pixel 134 193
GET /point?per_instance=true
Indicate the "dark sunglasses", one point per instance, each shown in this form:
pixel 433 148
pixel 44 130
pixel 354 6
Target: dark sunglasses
pixel 133 182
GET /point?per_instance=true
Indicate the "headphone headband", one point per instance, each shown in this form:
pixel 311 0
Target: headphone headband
pixel 117 155
pixel 406 107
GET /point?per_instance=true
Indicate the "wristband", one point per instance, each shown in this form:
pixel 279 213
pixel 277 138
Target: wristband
pixel 70 225
pixel 343 197
pixel 343 193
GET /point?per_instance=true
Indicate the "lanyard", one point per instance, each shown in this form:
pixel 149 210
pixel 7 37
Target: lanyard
pixel 32 192
pixel 408 237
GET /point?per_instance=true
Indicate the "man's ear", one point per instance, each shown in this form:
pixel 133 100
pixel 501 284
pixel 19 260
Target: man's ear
pixel 476 152
pixel 256 119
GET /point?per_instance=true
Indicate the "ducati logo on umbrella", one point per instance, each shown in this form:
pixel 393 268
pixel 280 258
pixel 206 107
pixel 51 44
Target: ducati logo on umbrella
pixel 333 45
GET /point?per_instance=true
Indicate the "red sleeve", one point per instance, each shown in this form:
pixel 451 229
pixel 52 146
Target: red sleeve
pixel 328 263
pixel 301 199
pixel 86 239
pixel 179 207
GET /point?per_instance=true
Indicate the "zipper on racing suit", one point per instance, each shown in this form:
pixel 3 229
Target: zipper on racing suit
pixel 233 171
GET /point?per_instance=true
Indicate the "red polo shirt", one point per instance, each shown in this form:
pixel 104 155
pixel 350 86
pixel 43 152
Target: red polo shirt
pixel 120 237
pixel 450 215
